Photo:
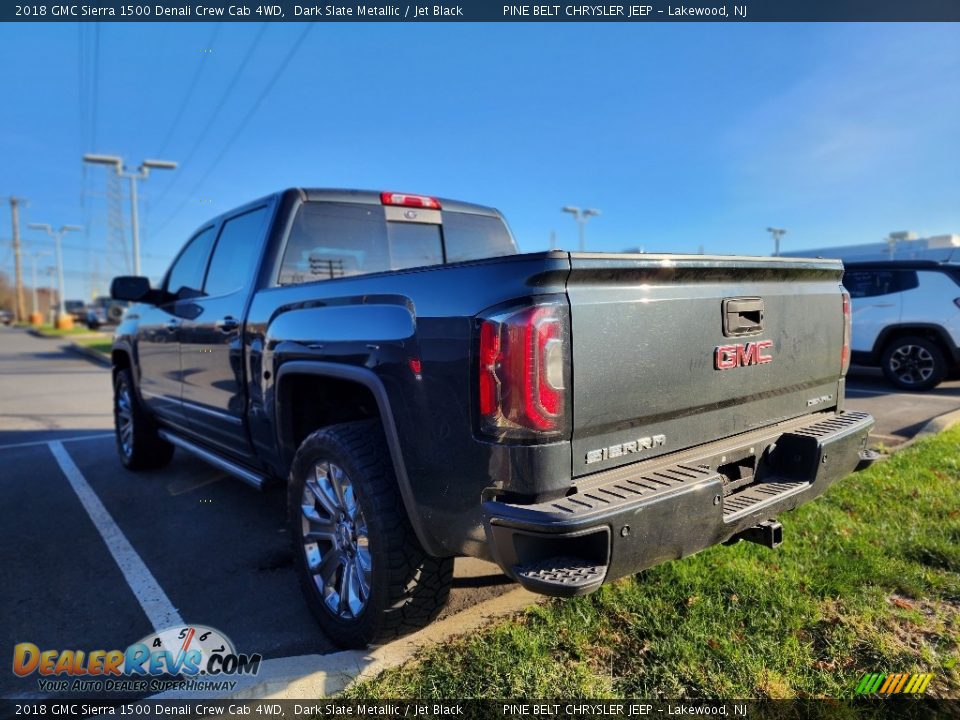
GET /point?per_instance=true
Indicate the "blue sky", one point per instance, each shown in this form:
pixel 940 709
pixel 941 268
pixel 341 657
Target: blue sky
pixel 682 135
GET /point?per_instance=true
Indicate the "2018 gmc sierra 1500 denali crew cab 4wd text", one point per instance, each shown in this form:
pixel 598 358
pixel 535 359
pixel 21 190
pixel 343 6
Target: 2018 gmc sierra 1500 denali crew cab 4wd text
pixel 427 393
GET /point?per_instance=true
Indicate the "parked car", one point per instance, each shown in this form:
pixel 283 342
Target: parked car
pixel 6 317
pixel 906 320
pixel 426 393
pixel 105 311
pixel 76 309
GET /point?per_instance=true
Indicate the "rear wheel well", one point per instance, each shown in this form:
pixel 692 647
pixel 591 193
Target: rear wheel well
pixel 120 361
pixel 932 334
pixel 310 402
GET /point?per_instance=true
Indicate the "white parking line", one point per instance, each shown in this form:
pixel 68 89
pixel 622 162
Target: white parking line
pixel 98 436
pixel 154 601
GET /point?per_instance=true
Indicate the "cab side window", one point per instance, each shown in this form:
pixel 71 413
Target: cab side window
pixel 236 253
pixel 188 269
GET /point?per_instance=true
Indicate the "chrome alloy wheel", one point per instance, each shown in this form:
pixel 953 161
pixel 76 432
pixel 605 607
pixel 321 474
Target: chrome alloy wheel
pixel 124 419
pixel 335 540
pixel 912 364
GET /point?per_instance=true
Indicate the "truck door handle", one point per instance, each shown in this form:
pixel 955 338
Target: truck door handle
pixel 228 324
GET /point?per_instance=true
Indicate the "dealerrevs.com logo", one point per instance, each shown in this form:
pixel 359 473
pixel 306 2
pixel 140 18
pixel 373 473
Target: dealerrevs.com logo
pixel 193 657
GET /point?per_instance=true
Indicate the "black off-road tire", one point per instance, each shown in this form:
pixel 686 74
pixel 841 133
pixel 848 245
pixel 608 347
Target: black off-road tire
pixel 407 586
pixel 143 449
pixel 926 354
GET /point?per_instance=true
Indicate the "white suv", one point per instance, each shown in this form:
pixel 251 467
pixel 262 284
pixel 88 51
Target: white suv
pixel 906 319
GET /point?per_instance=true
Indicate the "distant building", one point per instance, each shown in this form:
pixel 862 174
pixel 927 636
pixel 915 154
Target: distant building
pixel 898 246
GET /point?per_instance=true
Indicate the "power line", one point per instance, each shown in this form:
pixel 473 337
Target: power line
pixel 96 85
pixel 243 123
pixel 81 87
pixel 216 111
pixel 186 98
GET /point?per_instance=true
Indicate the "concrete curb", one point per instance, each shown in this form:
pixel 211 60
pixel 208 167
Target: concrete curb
pixel 932 427
pixel 311 677
pixel 93 355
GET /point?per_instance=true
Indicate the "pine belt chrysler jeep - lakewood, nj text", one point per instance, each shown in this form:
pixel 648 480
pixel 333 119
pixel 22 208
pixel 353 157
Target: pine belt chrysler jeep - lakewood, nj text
pixel 428 393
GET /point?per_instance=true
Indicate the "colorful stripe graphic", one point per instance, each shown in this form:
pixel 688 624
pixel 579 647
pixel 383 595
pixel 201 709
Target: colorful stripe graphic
pixel 893 684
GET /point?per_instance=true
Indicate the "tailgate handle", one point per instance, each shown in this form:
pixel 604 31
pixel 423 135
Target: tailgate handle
pixel 742 316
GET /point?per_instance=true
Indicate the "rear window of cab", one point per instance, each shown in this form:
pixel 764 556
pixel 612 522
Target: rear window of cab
pixel 333 240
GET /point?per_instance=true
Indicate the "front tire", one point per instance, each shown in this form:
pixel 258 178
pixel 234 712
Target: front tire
pixel 914 363
pixel 139 445
pixel 364 573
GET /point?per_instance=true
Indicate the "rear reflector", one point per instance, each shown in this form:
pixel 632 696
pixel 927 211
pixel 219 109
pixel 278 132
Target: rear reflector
pixel 422 201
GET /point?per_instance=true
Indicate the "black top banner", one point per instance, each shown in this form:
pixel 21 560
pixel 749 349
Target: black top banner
pixel 486 11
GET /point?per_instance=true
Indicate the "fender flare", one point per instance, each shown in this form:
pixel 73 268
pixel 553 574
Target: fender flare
pixel 368 379
pixel 126 349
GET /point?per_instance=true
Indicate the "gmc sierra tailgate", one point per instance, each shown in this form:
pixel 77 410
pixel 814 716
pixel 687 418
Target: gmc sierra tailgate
pixel 671 352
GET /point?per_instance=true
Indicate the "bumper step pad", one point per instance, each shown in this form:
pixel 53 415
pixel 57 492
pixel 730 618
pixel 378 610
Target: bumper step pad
pixel 561 576
pixel 756 496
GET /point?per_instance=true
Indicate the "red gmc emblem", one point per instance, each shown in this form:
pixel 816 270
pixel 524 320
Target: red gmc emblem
pixel 727 357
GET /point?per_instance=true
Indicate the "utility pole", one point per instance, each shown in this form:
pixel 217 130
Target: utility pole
pixel 777 234
pixel 18 269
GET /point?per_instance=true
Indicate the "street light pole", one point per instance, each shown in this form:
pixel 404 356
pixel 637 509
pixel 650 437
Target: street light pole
pixel 33 273
pixel 581 217
pixel 57 235
pixel 134 219
pixel 777 234
pixel 142 173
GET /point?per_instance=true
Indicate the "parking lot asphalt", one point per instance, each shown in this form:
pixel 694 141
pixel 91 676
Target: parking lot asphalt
pixel 213 550
pixel 899 415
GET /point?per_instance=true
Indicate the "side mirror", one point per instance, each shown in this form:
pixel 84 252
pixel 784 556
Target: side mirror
pixel 130 287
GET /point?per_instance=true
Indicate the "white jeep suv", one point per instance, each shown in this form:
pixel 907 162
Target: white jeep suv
pixel 906 319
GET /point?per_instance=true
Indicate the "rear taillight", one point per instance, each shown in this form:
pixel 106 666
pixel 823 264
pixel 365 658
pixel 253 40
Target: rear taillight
pixel 422 201
pixel 845 352
pixel 523 372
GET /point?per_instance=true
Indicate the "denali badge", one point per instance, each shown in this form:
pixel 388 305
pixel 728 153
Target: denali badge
pixel 726 357
pixel 627 448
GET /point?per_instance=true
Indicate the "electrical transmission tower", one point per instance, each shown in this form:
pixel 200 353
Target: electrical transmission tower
pixel 117 243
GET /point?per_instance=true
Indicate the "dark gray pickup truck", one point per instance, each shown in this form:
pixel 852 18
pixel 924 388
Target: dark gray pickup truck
pixel 426 392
